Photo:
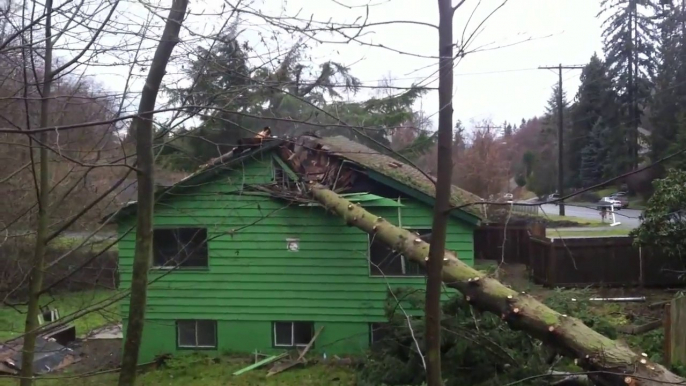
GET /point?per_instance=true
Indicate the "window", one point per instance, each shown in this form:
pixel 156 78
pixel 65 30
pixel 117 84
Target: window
pixel 289 334
pixel 182 247
pixel 384 262
pixel 378 332
pixel 196 334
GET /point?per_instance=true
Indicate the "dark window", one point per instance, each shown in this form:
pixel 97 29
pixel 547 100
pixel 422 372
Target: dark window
pixel 196 333
pixel 183 247
pixel 384 262
pixel 290 334
pixel 378 332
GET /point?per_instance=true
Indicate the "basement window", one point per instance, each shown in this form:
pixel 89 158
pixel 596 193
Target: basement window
pixel 290 334
pixel 197 334
pixel 180 247
pixel 378 332
pixel 384 262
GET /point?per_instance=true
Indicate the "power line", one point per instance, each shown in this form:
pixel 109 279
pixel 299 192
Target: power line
pixel 560 124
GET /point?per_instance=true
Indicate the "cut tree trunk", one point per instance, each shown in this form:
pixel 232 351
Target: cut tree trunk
pixel 607 361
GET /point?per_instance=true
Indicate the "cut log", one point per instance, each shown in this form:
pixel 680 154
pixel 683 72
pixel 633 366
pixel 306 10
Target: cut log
pixel 608 362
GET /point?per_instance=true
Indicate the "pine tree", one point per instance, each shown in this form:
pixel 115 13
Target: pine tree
pixel 594 155
pixel 669 97
pixel 630 35
pixel 595 100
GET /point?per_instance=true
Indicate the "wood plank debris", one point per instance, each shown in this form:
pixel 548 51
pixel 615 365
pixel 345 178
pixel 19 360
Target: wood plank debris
pixel 281 367
pixel 261 363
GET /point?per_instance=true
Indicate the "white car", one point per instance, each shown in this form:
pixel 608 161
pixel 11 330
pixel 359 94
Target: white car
pixel 609 201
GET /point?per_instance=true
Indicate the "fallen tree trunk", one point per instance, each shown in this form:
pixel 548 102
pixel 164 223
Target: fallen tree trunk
pixel 608 362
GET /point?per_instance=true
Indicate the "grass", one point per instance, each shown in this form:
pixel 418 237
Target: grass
pixel 201 371
pixel 12 319
pixel 551 232
pixel 67 243
pixel 581 221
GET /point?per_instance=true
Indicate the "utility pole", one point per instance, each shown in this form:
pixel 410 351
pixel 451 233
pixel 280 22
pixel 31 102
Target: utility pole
pixel 560 130
pixel 488 127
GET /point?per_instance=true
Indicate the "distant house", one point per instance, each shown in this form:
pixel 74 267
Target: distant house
pixel 239 267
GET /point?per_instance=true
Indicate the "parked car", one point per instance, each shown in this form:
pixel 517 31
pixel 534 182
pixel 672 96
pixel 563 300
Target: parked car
pixel 552 197
pixel 621 197
pixel 607 202
pixel 509 197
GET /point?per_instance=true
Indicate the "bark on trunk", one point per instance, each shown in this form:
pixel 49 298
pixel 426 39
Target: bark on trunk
pixel 143 129
pixel 442 205
pixel 607 361
pixel 43 190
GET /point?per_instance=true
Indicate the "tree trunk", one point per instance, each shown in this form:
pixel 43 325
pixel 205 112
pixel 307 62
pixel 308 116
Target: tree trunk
pixel 439 226
pixel 143 131
pixel 609 362
pixel 43 190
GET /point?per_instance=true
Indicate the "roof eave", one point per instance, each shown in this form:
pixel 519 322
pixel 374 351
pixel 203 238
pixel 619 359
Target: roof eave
pixel 421 196
pixel 192 180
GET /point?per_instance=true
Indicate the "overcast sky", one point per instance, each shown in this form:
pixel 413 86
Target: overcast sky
pixel 501 84
pixel 498 84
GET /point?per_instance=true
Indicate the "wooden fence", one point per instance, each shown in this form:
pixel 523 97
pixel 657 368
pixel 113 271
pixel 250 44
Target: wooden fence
pixel 606 261
pixel 675 333
pixel 508 244
pixel 579 262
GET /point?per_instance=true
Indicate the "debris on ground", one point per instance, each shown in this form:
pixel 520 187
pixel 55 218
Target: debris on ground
pixel 49 356
pixel 281 367
pixel 261 363
pixel 106 332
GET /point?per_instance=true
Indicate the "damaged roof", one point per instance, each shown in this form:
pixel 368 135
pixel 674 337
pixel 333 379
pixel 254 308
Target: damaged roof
pixel 390 167
pixel 380 167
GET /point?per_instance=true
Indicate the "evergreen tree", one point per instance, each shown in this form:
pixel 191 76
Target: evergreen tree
pixel 669 96
pixel 595 100
pixel 594 155
pixel 309 97
pixel 630 34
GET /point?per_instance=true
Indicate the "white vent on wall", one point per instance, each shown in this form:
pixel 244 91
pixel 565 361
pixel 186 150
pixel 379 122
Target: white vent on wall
pixel 293 244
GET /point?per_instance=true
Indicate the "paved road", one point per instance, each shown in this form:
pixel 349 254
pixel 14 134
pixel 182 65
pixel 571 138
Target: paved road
pixel 628 217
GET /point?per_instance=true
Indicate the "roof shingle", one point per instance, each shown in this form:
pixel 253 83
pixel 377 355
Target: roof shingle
pixel 390 167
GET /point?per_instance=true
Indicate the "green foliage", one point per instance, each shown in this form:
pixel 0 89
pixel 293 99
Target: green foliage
pixel 594 156
pixel 630 37
pixel 228 86
pixel 520 180
pixel 664 220
pixel 477 349
pixel 423 142
pixel 528 159
pixel 596 102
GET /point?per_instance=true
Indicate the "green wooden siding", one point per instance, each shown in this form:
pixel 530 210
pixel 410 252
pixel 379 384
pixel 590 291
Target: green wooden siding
pixel 253 279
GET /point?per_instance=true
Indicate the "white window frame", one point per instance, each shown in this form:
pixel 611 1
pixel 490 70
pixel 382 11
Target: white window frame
pixel 195 321
pixel 276 344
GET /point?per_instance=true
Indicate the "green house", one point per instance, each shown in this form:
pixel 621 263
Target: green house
pixel 237 267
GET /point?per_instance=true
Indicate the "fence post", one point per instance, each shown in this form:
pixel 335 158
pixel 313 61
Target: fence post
pixel 668 335
pixel 675 333
pixel 640 266
pixel 550 265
